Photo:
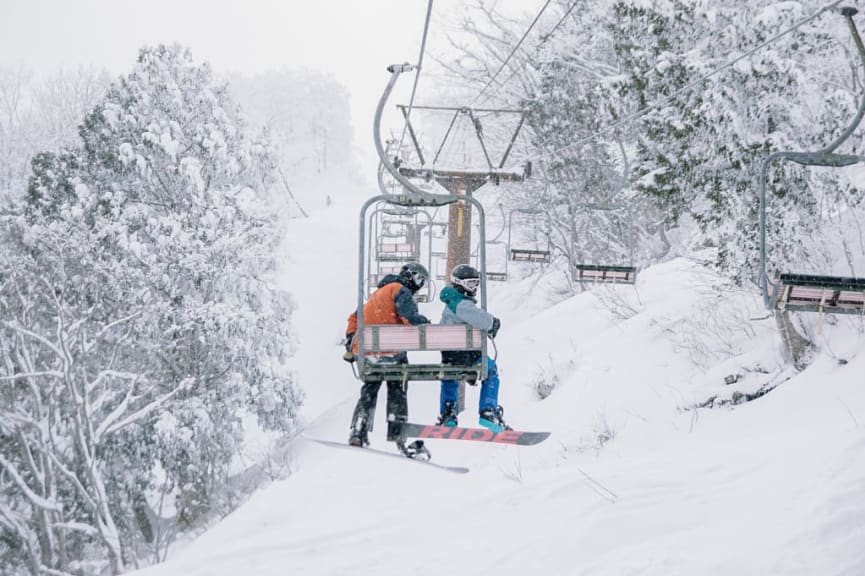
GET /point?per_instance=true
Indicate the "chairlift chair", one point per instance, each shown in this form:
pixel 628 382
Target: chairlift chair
pixel 605 273
pixel 537 255
pixel 379 339
pixel 810 292
pixel 599 273
pixel 499 276
pixel 390 256
pixel 373 339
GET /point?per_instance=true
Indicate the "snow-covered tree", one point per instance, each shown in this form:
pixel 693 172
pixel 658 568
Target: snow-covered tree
pixel 615 92
pixel 139 322
pixel 38 115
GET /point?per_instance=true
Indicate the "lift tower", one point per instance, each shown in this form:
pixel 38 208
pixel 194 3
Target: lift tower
pixel 463 182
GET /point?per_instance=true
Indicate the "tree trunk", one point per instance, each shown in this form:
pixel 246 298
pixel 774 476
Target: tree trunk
pixel 796 346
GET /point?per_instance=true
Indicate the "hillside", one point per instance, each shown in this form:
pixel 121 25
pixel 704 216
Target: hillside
pixel 634 479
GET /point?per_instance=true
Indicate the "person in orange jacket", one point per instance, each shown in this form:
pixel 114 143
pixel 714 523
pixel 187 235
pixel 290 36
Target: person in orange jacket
pixel 391 303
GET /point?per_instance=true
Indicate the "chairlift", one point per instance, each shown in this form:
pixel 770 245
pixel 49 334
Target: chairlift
pixel 811 292
pixel 604 273
pixel 387 224
pixel 424 338
pixel 541 256
pixel 398 338
pixel 499 276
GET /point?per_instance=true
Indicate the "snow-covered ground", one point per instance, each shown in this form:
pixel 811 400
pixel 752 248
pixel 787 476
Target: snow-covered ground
pixel 633 481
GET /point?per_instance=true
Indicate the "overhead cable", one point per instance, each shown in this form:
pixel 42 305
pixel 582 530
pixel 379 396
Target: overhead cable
pixel 417 74
pixel 643 111
pixel 513 51
pixel 543 41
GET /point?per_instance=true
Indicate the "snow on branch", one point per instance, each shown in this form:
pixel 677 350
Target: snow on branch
pixel 25 332
pixel 34 498
pixel 112 424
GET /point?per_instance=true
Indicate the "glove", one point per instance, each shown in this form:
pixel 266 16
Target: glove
pixel 495 329
pixel 349 354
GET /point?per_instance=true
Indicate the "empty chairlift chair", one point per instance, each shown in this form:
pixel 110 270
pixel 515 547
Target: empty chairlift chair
pixel 498 275
pixel 599 273
pixel 536 253
pixel 606 273
pixel 395 233
pixel 811 292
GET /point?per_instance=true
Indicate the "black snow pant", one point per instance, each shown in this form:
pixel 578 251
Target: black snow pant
pixel 364 411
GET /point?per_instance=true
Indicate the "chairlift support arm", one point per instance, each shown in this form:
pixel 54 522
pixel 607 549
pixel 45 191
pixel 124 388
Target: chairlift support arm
pixel 471 113
pixel 411 133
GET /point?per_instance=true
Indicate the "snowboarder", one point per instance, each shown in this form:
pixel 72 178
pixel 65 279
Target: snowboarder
pixel 391 303
pixel 461 308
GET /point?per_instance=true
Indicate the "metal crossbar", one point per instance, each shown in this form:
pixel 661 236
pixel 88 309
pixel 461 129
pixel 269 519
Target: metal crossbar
pixel 600 273
pixel 391 339
pixel 809 293
pixel 389 247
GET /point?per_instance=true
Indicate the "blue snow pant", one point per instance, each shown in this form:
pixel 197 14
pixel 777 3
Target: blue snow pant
pixel 450 390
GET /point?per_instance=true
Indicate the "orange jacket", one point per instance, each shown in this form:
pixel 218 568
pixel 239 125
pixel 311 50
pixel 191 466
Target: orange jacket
pixel 391 303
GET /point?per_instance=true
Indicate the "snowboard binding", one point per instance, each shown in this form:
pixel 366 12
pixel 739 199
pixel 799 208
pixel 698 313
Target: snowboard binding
pixel 414 450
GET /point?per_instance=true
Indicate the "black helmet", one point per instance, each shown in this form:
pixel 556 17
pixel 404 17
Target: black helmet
pixel 466 279
pixel 414 276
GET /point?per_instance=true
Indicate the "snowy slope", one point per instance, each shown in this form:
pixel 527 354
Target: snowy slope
pixel 634 479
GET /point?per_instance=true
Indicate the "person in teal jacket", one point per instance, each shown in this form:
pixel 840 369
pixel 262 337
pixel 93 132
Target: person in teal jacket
pixel 461 308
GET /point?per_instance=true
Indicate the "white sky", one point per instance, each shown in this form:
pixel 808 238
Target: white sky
pixel 354 40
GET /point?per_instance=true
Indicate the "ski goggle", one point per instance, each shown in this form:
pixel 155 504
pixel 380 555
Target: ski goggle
pixel 470 284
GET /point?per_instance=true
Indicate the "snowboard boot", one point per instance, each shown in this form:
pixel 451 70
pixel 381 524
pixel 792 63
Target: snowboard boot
pixel 493 419
pixel 449 416
pixel 394 431
pixel 358 439
pixel 394 427
pixel 416 450
pixel 359 433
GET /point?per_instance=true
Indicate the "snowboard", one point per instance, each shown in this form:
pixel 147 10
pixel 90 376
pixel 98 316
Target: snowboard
pixel 514 437
pixel 368 450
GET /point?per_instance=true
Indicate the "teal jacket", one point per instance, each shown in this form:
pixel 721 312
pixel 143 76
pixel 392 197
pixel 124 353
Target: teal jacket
pixel 462 309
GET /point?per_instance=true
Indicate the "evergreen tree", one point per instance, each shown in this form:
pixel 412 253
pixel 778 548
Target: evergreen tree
pixel 693 149
pixel 142 321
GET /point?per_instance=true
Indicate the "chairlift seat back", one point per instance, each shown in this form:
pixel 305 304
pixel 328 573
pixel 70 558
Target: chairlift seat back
pixel 395 252
pixel 522 255
pixel 393 338
pixel 606 274
pixel 810 293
